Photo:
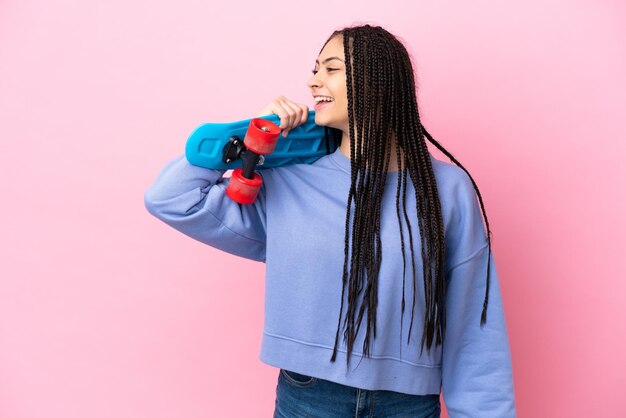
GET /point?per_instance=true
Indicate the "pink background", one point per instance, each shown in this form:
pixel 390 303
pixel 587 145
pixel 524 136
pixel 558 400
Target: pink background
pixel 107 312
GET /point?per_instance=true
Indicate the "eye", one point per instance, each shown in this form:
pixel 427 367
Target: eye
pixel 327 69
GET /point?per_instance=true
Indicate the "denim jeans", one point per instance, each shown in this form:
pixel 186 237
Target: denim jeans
pixel 299 396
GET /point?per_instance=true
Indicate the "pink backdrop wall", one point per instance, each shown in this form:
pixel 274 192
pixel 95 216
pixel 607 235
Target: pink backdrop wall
pixel 106 312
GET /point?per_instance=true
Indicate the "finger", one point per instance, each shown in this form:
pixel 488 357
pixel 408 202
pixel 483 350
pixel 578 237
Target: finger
pixel 279 110
pixel 302 113
pixel 291 110
pixel 305 113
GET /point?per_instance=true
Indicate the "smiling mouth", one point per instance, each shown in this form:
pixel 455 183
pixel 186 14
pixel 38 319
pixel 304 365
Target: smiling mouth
pixel 321 104
pixel 322 99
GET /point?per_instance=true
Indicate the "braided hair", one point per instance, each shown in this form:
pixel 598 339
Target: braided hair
pixel 378 63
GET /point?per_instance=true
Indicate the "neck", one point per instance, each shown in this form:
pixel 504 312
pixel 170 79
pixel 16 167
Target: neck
pixel 393 164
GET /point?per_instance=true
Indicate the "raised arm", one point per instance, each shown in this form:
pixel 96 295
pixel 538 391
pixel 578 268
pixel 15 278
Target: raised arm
pixel 193 200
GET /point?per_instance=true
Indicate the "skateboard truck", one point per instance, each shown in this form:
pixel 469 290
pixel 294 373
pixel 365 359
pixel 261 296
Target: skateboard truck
pixel 260 139
pixel 234 149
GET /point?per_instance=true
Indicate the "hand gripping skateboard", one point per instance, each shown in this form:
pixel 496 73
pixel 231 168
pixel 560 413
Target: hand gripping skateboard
pixel 251 144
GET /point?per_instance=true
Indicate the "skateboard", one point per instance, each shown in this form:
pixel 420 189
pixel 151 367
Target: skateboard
pixel 253 144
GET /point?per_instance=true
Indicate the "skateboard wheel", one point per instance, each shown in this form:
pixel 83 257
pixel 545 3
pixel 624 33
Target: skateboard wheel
pixel 241 189
pixel 262 136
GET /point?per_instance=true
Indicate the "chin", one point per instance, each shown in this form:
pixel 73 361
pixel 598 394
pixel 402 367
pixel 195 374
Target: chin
pixel 321 120
pixel 325 120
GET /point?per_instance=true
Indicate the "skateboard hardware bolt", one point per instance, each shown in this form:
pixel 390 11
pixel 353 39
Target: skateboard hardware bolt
pixel 261 159
pixel 232 149
pixel 264 129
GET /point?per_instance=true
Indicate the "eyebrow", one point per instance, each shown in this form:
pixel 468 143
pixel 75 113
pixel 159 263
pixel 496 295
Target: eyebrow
pixel 328 59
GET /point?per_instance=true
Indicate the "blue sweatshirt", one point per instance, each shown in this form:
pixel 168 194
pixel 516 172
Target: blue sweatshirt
pixel 297 228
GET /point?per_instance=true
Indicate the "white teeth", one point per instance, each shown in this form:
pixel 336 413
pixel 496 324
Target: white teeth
pixel 323 99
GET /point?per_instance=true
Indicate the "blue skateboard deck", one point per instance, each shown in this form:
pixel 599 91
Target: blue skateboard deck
pixel 304 144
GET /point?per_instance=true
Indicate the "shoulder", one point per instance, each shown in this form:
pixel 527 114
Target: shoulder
pixel 283 173
pixel 453 183
pixel 458 197
pixel 463 218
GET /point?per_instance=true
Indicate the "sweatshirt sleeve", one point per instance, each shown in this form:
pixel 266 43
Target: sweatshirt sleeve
pixel 477 377
pixel 193 200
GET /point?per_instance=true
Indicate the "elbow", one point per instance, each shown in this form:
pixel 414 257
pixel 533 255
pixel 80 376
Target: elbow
pixel 150 202
pixel 167 209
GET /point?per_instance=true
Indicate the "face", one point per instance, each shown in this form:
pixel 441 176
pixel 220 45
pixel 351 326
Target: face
pixel 329 80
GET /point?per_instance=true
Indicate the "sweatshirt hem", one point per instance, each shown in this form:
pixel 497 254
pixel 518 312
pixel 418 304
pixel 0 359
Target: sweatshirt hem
pixel 370 373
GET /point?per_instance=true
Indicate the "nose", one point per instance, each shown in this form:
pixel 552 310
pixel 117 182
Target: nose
pixel 313 82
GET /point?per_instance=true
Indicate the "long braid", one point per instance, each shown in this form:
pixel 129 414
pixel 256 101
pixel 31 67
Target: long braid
pixel 358 228
pixel 394 112
pixel 483 316
pixel 374 165
pixel 382 102
pixel 435 224
pixel 409 148
pixel 350 194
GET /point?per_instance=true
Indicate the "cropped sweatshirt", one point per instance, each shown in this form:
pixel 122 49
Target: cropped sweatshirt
pixel 296 227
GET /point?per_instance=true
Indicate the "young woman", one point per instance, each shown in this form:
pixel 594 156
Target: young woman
pixel 338 241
